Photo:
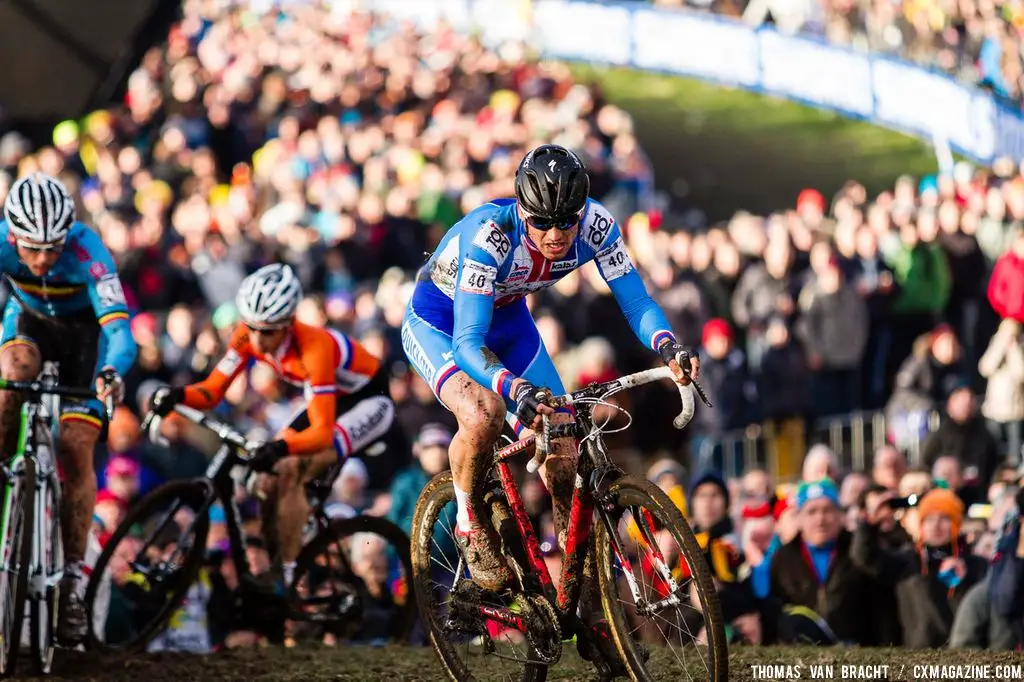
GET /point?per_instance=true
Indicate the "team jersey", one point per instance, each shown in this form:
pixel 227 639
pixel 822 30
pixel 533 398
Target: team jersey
pixel 487 262
pixel 323 362
pixel 84 276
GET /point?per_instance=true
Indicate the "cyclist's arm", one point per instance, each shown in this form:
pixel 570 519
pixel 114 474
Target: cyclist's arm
pixel 205 395
pixel 108 302
pixel 645 317
pixel 318 357
pixel 474 308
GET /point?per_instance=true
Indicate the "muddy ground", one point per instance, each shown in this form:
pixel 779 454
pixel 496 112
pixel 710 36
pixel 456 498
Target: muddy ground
pixel 394 664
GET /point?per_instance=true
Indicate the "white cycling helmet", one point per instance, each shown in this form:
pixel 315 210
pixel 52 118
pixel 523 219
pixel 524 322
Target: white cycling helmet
pixel 268 297
pixel 39 209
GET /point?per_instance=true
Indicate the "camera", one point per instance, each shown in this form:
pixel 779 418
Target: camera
pixel 903 502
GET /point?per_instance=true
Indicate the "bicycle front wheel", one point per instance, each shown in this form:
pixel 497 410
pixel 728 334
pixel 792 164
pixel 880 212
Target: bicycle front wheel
pixel 17 523
pixel 51 562
pixel 150 562
pixel 656 588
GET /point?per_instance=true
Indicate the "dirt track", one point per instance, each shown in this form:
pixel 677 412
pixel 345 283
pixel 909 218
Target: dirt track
pixel 418 664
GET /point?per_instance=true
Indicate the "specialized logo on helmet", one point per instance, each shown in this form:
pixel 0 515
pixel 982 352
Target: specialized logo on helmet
pixel 552 165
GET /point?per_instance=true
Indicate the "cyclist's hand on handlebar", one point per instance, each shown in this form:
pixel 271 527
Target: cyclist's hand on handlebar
pixel 684 363
pixel 267 455
pixel 165 399
pixel 531 403
pixel 109 384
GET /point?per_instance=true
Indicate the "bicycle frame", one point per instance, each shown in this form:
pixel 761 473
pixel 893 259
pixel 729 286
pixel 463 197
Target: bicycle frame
pixel 594 471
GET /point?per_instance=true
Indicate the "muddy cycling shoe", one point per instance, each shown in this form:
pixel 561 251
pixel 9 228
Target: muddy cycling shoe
pixel 72 616
pixel 595 644
pixel 483 555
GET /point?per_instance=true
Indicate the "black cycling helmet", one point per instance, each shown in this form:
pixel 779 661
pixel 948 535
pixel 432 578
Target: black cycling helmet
pixel 552 184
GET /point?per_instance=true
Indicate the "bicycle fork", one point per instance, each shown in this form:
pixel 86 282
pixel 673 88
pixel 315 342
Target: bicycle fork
pixel 645 523
pixel 40 581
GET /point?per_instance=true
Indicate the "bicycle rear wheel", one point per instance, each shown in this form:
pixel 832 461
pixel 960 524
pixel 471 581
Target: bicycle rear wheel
pixel 656 588
pixel 151 560
pixel 18 528
pixel 43 611
pixel 438 570
pixel 353 579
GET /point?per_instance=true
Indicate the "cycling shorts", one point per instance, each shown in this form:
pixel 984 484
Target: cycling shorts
pixel 365 427
pixel 74 341
pixel 513 337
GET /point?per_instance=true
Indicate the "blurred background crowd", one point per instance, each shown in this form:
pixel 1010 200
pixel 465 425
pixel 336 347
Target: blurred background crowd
pixel 346 145
pixel 978 41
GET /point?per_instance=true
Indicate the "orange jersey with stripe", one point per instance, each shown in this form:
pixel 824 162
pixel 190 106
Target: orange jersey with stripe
pixel 323 362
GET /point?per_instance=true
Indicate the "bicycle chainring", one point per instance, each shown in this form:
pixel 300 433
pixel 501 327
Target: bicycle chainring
pixel 543 631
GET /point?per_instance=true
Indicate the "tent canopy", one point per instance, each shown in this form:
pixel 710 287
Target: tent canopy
pixel 57 56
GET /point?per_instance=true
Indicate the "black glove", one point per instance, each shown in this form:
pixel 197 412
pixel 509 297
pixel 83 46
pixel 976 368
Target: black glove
pixel 674 351
pixel 267 455
pixel 110 378
pixel 528 398
pixel 165 398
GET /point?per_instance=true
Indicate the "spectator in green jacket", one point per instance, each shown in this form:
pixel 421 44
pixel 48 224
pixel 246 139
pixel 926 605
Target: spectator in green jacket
pixel 921 272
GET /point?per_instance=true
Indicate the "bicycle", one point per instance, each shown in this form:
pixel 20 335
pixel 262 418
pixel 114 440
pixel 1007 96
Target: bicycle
pixel 31 550
pixel 531 619
pixel 327 590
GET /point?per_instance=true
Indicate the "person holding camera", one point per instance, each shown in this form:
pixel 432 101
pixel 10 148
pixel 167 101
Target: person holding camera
pixel 930 577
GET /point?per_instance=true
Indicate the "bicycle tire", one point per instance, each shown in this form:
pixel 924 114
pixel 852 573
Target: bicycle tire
pixel 342 528
pixel 25 504
pixel 194 490
pixel 43 612
pixel 439 492
pixel 632 491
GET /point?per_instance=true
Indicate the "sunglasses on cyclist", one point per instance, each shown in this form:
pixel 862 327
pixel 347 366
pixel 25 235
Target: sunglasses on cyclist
pixel 544 225
pixel 36 247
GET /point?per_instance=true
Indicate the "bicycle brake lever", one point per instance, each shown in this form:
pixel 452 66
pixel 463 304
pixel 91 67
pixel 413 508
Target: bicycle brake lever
pixel 700 392
pixel 543 442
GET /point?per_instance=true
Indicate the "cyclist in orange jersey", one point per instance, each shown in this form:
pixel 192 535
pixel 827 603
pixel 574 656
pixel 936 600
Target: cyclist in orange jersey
pixel 347 409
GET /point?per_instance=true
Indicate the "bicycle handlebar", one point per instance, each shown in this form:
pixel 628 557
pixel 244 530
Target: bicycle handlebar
pixel 40 388
pixel 224 431
pixel 608 388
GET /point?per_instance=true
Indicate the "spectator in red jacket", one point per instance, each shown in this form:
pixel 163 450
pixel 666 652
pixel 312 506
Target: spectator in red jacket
pixel 1006 288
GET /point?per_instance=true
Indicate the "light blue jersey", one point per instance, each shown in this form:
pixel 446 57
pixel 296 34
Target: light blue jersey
pixel 468 311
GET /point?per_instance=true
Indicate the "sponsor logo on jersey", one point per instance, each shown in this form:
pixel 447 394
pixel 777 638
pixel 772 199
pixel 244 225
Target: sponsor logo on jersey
pixel 110 292
pixel 477 278
pixel 230 362
pixel 599 226
pixel 492 239
pixel 563 266
pixel 97 269
pixel 520 272
pixel 417 356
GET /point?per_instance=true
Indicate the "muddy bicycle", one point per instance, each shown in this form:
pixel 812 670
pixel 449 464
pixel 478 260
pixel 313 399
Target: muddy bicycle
pixel 655 586
pixel 31 549
pixel 350 570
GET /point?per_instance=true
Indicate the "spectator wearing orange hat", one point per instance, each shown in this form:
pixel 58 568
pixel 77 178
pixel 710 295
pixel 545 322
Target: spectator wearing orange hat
pixel 728 379
pixel 931 577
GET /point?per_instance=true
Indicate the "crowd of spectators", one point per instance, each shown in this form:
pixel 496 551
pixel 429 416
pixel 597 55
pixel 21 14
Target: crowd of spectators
pixel 347 145
pixel 976 41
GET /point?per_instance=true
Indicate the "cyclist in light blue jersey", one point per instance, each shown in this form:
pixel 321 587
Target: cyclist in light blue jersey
pixel 67 306
pixel 468 333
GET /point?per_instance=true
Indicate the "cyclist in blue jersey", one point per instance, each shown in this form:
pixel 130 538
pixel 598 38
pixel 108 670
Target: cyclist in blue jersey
pixel 66 305
pixel 468 333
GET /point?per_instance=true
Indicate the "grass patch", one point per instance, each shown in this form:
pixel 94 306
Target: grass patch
pixel 723 149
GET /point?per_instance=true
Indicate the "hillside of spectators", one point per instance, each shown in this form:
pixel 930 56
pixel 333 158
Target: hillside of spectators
pixel 976 41
pixel 347 146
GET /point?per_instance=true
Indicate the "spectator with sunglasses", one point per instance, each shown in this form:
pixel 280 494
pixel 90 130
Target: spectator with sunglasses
pixel 348 408
pixel 469 333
